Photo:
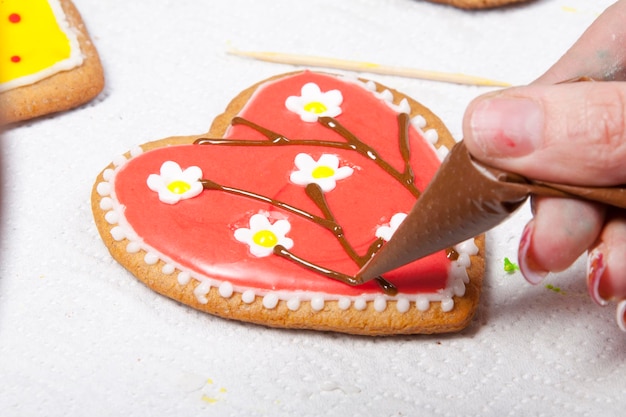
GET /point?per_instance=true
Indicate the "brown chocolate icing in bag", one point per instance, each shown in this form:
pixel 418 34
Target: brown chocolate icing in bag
pixel 463 200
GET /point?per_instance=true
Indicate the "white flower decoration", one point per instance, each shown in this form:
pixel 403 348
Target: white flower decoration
pixel 263 236
pixel 324 172
pixel 173 184
pixel 313 103
pixel 387 231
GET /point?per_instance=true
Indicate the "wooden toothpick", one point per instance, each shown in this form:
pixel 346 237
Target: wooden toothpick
pixel 315 61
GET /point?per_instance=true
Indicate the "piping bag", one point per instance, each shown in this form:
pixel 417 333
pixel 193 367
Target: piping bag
pixel 465 199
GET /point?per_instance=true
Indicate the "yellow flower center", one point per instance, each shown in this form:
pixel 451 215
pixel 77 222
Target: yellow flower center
pixel 315 107
pixel 322 171
pixel 265 238
pixel 178 187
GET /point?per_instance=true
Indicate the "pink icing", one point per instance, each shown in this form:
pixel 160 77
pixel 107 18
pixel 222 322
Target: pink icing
pixel 198 233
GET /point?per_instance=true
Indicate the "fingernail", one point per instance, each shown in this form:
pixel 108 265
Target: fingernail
pixel 621 315
pixel 507 127
pixel 595 270
pixel 527 264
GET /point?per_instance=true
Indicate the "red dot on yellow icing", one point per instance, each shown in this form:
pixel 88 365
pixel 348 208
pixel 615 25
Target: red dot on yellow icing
pixel 32 34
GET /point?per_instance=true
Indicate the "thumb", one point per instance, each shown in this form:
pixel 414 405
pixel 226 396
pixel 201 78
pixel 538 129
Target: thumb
pixel 570 133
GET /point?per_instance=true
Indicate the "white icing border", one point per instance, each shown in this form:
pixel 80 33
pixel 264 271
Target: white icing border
pixel 74 60
pixel 457 277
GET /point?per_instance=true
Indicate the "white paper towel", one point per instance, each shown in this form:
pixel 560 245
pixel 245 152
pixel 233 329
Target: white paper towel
pixel 80 336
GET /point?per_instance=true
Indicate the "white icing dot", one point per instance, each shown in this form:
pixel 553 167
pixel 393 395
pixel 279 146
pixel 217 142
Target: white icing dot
pixel 248 296
pixel 386 95
pixel 184 278
pixel 404 106
pixel 459 273
pixel 458 288
pixel 431 136
pixel 464 260
pixel 442 152
pixel 360 304
pixel 344 303
pixel 293 304
pixel 418 121
pixel 201 291
pixel 270 301
pixel 103 188
pixel 447 304
pixel 131 235
pixel 120 160
pixel 136 151
pixel 151 258
pixel 468 247
pixel 422 303
pixel 106 203
pixel 118 233
pixel 107 174
pixel 403 305
pixel 168 269
pixel 370 85
pixel 226 289
pixel 111 217
pixel 133 247
pixel 380 304
pixel 317 303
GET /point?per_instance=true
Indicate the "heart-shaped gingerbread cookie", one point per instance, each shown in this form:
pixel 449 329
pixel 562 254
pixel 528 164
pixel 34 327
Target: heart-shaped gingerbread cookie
pixel 268 217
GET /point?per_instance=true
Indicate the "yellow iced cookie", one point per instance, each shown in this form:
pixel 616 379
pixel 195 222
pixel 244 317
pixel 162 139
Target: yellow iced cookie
pixel 36 42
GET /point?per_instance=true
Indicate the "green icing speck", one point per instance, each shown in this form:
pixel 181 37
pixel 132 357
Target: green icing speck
pixel 509 266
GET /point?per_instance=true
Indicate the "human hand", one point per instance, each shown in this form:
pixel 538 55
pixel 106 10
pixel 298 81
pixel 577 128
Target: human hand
pixel 567 132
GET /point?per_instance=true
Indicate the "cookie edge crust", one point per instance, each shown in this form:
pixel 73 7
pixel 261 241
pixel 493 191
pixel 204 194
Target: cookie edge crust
pixel 479 4
pixel 331 317
pixel 62 91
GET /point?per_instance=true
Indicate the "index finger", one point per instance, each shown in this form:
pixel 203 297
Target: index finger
pixel 600 52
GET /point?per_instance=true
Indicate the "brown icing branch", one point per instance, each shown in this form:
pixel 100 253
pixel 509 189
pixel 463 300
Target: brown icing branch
pixel 284 253
pixel 405 148
pixel 353 143
pixel 273 138
pixel 406 178
pixel 316 194
pixel 328 222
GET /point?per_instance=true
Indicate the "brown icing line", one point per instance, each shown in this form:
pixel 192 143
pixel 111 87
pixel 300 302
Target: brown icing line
pixel 406 178
pixel 465 199
pixel 279 250
pixel 328 222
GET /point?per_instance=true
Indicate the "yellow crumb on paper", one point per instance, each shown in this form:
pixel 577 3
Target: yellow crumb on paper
pixel 209 393
pixel 210 400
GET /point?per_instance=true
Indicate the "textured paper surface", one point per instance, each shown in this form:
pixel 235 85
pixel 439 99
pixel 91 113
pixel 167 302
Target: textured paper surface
pixel 80 336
